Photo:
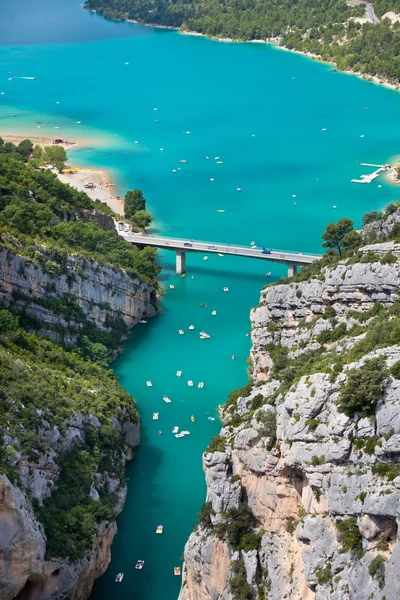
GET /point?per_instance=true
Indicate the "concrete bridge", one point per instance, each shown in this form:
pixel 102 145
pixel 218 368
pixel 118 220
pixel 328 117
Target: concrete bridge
pixel 181 247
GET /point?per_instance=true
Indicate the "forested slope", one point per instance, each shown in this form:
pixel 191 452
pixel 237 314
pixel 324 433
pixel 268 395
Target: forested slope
pixel 70 289
pixel 323 27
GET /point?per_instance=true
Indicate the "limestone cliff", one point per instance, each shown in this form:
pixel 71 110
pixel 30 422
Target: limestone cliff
pixel 48 294
pixel 52 406
pixel 304 479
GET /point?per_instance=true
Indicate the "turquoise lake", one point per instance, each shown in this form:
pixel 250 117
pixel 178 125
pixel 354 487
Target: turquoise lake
pixel 263 112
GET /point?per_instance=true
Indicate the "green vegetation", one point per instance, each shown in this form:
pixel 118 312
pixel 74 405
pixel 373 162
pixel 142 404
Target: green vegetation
pixel 236 528
pixel 204 515
pixel 324 574
pixel 43 386
pixel 27 405
pixel 363 388
pixel 350 537
pixel 240 589
pixel 217 444
pixel 336 235
pixel 377 570
pixel 326 29
pixel 36 207
pixel 135 208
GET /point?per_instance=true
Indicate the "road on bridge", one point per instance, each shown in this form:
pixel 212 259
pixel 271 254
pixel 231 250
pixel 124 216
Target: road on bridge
pixel 181 245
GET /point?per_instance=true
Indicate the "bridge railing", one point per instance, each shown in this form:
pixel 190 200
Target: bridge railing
pixel 225 244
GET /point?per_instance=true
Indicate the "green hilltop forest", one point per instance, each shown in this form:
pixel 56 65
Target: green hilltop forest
pixel 45 385
pixel 323 27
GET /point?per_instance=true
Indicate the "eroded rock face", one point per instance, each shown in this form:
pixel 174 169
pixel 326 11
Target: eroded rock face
pixel 297 460
pixel 101 291
pixel 25 573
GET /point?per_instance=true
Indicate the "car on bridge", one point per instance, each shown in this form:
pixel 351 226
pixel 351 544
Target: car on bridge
pixel 212 248
pixel 265 251
pixel 187 245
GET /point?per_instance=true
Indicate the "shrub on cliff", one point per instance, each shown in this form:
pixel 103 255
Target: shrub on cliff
pixel 350 537
pixel 377 570
pixel 240 589
pixel 204 515
pixel 363 389
pixel 237 526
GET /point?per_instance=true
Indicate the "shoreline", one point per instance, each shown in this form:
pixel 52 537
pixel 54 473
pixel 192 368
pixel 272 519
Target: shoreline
pixel 273 42
pixel 79 177
pixel 40 140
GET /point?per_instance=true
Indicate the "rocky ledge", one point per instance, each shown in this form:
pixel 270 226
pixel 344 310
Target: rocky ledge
pixel 303 481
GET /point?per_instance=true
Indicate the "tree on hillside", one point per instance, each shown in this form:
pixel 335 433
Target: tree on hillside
pixel 334 234
pixel 25 148
pixel 55 155
pixel 370 217
pixel 134 202
pixel 142 218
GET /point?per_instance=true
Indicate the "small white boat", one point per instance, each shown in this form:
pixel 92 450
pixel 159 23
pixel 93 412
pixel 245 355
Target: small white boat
pixel 191 327
pixel 174 170
pixel 159 529
pixel 334 206
pixel 212 179
pixel 207 157
pixel 252 243
pixel 139 564
pixel 119 577
pixel 149 384
pixel 181 332
pixel 167 400
pixel 204 335
pixel 324 129
pixel 175 429
pixel 239 189
pixel 178 373
pixel 179 435
pixel 136 142
pixel 190 383
pixel 219 162
pixel 161 149
pixel 211 418
pixel 155 108
pixel 185 432
pixel 205 257
pixel 200 384
pixel 79 122
pixel 182 161
pixel 214 312
pixel 142 321
pixel 216 158
pixel 171 287
pixel 177 570
pixel 155 416
pixel 57 103
pixel 226 289
pixel 179 169
pixel 187 132
pixel 127 63
pixel 361 136
pixel 268 273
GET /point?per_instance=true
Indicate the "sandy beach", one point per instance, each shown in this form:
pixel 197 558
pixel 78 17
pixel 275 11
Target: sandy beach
pixel 77 177
pixel 39 140
pixel 103 190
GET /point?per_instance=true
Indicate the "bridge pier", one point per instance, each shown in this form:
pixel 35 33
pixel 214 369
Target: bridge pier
pixel 292 269
pixel 180 263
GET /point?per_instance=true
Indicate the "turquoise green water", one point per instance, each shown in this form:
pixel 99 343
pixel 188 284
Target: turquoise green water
pixel 222 94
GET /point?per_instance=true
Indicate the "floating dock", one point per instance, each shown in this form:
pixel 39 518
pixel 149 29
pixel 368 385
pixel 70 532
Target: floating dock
pixel 371 176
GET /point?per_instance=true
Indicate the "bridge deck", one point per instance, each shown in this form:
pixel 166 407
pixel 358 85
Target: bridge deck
pixel 181 245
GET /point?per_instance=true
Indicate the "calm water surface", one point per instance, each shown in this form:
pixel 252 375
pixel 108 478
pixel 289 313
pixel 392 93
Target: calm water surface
pixel 262 111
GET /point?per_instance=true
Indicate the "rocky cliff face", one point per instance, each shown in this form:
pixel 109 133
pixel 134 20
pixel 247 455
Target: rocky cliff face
pixel 61 299
pixel 310 446
pixel 25 571
pixel 103 293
